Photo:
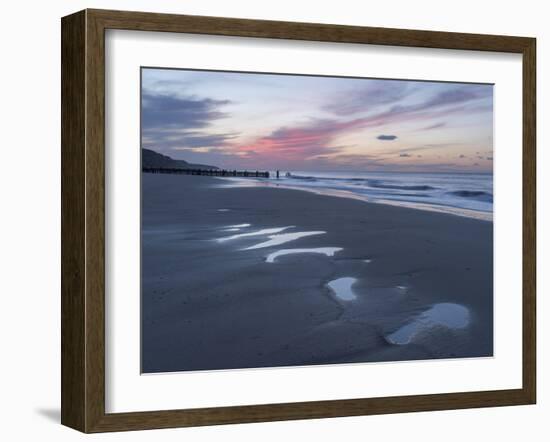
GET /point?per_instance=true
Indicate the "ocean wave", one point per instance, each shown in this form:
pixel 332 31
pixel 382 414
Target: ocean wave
pixel 474 194
pixel 415 195
pixel 465 194
pixel 302 177
pixel 379 185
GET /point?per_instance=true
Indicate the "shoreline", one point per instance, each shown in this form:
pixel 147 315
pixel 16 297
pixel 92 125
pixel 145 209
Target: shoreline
pixel 437 208
pixel 346 282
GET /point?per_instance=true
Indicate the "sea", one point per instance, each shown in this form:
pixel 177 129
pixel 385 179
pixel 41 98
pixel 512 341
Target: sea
pixel 463 194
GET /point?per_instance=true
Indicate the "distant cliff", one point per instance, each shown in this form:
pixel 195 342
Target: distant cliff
pixel 152 159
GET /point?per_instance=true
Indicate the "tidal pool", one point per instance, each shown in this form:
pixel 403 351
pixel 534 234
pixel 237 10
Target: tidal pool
pixel 453 316
pixel 275 240
pixel 343 288
pixel 327 251
pixel 256 233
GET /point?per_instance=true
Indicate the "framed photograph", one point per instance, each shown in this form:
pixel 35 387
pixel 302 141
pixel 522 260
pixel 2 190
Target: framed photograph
pixel 267 220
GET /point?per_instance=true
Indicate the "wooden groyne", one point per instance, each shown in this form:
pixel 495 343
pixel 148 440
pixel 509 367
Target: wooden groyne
pixel 208 172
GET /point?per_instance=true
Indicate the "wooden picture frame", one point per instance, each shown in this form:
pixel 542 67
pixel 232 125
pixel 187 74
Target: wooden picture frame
pixel 83 220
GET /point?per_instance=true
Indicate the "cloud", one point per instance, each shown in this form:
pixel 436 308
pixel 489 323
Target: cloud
pixel 314 137
pixel 297 142
pixel 442 103
pixel 459 94
pixel 436 100
pixel 434 126
pixel 350 161
pixel 386 137
pixel 162 111
pixel 180 139
pixel 170 122
pixel 430 146
pixel 373 95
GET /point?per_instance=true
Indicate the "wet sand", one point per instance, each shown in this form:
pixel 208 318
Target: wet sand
pixel 418 284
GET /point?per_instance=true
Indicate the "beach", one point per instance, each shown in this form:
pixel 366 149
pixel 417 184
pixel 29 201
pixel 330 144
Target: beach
pixel 245 277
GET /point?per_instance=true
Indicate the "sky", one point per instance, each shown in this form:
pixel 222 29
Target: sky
pixel 289 122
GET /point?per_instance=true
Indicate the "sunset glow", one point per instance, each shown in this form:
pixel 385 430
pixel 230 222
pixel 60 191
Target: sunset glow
pixel 289 122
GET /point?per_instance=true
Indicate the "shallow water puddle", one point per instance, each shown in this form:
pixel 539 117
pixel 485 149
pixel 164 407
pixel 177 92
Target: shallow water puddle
pixel 327 251
pixel 275 240
pixel 447 314
pixel 343 288
pixel 256 233
pixel 235 227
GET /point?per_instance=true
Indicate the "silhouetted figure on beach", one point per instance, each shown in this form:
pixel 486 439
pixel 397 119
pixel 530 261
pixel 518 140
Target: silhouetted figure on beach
pixel 277 174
